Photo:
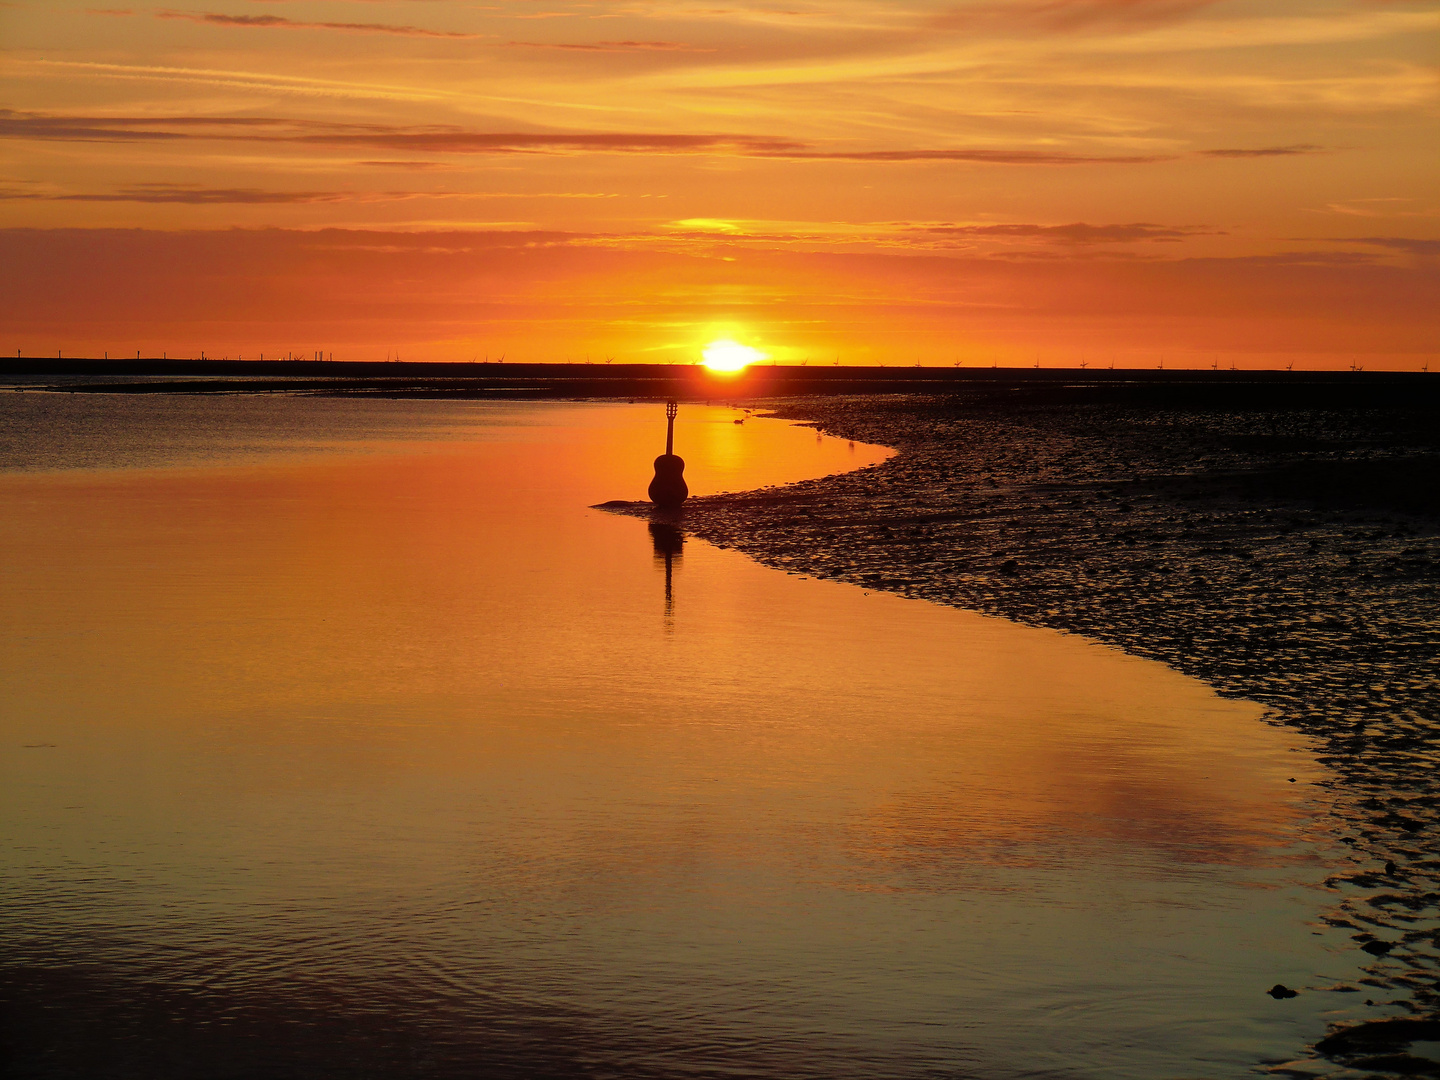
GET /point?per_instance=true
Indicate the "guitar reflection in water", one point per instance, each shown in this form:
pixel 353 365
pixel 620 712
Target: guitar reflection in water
pixel 669 544
pixel 669 489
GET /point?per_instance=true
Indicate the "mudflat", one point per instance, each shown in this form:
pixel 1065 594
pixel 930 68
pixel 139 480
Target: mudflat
pixel 1278 538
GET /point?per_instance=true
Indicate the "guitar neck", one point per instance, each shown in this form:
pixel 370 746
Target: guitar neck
pixel 671 409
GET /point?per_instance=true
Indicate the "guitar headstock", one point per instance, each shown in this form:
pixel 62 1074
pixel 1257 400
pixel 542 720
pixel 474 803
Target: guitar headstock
pixel 671 408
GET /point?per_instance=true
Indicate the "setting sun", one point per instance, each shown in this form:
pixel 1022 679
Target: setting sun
pixel 727 355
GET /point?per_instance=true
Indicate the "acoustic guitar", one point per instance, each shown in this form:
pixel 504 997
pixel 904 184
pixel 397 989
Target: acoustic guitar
pixel 669 489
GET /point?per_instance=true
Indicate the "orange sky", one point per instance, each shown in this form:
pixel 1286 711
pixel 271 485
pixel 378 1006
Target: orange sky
pixel 900 181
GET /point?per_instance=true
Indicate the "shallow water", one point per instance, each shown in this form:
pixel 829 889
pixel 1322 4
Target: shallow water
pixel 343 739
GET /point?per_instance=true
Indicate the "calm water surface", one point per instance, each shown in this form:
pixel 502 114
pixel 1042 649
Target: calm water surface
pixel 342 739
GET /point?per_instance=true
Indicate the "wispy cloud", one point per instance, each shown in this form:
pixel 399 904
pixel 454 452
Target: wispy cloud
pixel 280 22
pixel 980 156
pixel 883 59
pixel 15 124
pixel 1266 151
pixel 1391 206
pixel 453 140
pixel 983 240
pixel 196 195
pixel 418 166
pixel 1409 245
pixel 613 46
pixel 24 125
pixel 299 85
pixel 1078 233
pixel 182 193
pixel 1321 28
pixel 1066 15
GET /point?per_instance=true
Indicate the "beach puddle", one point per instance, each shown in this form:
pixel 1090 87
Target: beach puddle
pixel 345 739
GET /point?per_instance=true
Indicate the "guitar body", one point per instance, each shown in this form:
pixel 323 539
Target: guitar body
pixel 669 488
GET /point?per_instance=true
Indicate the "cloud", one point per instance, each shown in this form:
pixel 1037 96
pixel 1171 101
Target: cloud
pixel 185 193
pixel 1325 27
pixel 987 157
pixel 452 140
pixel 271 82
pixel 1266 151
pixel 15 124
pixel 1067 15
pixel 194 195
pixel 1001 240
pixel 415 165
pixel 1399 243
pixel 706 225
pixel 446 139
pixel 1377 207
pixel 1078 233
pixel 457 141
pixel 614 46
pixel 268 21
pixel 22 125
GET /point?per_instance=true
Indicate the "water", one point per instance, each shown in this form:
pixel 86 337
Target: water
pixel 342 739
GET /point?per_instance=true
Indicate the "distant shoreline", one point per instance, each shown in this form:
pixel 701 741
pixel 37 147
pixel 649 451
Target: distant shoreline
pixel 1150 387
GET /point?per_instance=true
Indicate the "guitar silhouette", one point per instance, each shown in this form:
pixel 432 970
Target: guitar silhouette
pixel 668 489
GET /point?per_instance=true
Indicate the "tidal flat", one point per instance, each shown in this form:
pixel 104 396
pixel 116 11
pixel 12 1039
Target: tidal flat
pixel 1284 553
pixel 343 739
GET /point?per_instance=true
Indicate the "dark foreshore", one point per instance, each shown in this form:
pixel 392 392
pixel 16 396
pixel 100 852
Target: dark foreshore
pixel 1285 551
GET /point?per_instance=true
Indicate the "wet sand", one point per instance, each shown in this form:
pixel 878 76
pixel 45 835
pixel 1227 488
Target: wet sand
pixel 1284 552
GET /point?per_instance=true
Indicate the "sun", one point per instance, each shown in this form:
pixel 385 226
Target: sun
pixel 730 356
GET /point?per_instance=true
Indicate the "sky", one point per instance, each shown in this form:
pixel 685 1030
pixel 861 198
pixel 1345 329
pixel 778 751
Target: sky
pixel 1242 182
